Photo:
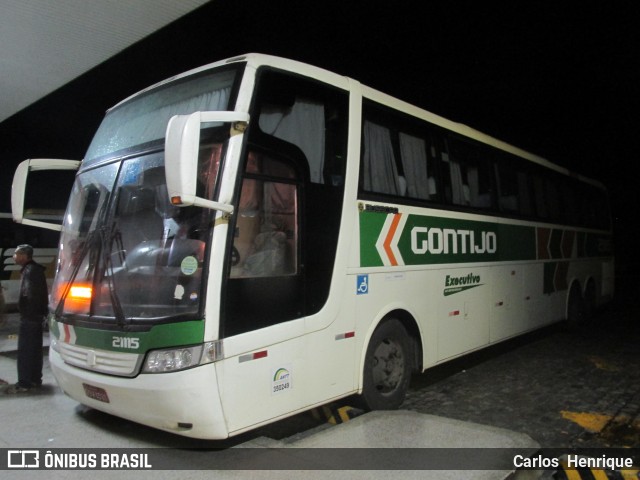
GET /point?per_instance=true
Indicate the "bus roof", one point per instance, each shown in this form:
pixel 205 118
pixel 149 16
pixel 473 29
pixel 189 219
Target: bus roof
pixel 256 60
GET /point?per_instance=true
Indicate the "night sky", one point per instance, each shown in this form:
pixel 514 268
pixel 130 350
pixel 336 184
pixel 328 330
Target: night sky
pixel 559 79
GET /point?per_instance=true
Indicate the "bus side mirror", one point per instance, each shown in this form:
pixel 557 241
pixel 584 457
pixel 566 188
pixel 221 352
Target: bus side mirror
pixel 182 145
pixel 19 188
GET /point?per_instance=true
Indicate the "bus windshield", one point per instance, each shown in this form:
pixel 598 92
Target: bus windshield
pixel 135 257
pixel 126 254
pixel 143 119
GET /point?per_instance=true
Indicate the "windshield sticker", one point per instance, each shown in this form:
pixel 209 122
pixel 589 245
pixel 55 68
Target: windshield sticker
pixel 178 293
pixel 189 265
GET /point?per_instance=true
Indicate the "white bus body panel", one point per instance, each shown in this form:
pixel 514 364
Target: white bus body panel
pixel 510 299
pixel 289 375
pixel 178 399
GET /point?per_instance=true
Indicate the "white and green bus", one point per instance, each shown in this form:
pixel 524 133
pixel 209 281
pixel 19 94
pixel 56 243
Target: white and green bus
pixel 258 237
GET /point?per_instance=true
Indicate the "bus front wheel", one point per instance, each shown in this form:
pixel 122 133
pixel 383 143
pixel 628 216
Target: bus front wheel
pixel 387 367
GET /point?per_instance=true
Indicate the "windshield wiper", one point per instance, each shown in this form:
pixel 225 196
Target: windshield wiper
pixel 79 258
pixel 114 234
pixel 106 237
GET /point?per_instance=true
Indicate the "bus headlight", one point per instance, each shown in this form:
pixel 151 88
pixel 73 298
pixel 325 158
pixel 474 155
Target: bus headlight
pixel 174 359
pixel 171 360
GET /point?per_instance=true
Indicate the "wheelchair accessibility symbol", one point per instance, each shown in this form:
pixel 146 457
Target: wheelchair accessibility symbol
pixel 362 285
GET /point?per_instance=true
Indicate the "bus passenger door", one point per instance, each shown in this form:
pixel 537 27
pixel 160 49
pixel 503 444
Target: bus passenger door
pixel 266 278
pixel 263 308
pixel 282 247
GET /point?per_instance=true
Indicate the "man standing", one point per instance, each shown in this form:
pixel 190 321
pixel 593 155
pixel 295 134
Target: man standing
pixel 32 304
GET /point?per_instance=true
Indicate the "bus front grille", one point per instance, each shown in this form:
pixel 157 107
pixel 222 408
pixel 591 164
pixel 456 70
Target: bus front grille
pixel 102 361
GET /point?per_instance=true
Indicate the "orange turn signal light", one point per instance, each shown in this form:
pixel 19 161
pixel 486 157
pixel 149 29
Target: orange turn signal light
pixel 80 292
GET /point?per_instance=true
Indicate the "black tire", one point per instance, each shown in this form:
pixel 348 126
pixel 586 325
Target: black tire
pixel 575 308
pixel 387 367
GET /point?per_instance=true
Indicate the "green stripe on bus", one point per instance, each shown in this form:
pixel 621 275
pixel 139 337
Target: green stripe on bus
pixel 370 227
pixel 436 240
pixel 160 336
pixel 428 240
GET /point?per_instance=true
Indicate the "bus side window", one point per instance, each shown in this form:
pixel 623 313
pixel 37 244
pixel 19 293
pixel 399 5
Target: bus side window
pixel 285 125
pixel 470 175
pixel 553 200
pixel 398 155
pixel 417 168
pixel 514 190
pixel 266 235
pixel 540 197
pixel 380 172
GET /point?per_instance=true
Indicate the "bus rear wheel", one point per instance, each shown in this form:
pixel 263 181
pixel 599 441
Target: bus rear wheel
pixel 387 367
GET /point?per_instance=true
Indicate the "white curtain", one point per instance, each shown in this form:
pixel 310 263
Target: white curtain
pixel 380 172
pixel 459 191
pixel 302 125
pixel 414 162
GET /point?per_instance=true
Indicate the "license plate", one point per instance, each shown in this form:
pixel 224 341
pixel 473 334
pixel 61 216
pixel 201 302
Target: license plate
pixel 96 393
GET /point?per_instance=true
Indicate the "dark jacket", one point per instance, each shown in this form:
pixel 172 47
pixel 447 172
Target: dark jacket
pixel 33 299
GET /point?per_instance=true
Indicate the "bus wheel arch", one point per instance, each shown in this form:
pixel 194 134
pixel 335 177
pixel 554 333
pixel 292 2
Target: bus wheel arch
pixel 393 352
